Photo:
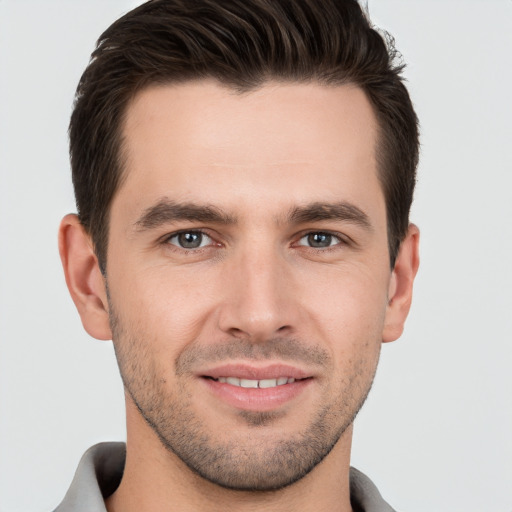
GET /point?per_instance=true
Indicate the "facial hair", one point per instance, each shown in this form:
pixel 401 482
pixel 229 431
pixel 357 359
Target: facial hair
pixel 259 460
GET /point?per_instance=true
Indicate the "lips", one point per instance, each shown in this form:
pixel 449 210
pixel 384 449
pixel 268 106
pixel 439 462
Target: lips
pixel 256 388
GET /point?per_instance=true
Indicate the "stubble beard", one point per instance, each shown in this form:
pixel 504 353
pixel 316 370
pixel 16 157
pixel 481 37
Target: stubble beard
pixel 254 462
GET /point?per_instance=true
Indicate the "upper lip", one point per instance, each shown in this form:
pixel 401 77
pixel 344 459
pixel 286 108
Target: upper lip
pixel 250 371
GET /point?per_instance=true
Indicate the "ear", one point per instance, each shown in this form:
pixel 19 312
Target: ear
pixel 400 285
pixel 85 282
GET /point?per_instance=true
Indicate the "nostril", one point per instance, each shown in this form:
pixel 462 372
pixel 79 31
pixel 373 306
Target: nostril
pixel 235 331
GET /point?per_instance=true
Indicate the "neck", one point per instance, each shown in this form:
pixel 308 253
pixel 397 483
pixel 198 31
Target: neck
pixel 156 479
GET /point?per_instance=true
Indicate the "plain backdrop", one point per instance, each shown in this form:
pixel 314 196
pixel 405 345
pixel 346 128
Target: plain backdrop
pixel 436 432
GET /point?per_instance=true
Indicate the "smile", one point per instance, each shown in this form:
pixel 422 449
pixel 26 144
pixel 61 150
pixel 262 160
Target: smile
pixel 252 383
pixel 249 388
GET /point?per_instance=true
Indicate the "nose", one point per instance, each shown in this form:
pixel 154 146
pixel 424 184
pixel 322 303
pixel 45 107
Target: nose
pixel 259 296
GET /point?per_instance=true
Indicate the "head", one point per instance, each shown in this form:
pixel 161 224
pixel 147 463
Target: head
pixel 243 173
pixel 242 45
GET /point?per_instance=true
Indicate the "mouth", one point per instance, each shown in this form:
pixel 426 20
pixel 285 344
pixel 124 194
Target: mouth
pixel 254 383
pixel 256 388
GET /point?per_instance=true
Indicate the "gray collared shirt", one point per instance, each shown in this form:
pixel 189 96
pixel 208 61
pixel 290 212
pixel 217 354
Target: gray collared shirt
pixel 101 469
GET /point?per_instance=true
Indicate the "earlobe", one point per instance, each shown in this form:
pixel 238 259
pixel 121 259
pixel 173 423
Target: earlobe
pixel 401 285
pixel 85 282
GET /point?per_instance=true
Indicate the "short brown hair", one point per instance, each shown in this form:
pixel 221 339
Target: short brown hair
pixel 242 44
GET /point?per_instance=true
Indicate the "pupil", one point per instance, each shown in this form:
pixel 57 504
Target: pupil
pixel 190 240
pixel 319 240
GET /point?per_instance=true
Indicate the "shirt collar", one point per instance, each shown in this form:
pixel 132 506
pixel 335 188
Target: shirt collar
pixel 101 469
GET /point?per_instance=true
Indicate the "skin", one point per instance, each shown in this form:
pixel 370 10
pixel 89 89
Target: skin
pixel 259 291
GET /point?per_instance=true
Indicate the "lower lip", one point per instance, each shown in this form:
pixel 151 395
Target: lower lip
pixel 257 399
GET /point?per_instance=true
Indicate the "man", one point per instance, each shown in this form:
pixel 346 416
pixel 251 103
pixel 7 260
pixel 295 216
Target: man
pixel 243 172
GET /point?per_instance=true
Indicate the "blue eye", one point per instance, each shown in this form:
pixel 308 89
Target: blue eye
pixel 190 240
pixel 319 240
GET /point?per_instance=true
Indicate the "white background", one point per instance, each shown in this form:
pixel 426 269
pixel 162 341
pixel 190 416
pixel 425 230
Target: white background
pixel 436 433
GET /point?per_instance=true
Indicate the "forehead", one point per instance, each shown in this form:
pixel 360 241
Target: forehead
pixel 200 141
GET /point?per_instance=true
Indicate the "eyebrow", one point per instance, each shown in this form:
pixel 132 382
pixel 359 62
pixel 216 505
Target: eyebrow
pixel 342 211
pixel 166 211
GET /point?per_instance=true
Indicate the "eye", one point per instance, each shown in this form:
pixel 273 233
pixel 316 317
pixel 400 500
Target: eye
pixel 320 240
pixel 190 239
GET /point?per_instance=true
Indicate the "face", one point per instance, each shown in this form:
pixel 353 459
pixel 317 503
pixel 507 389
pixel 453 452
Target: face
pixel 248 273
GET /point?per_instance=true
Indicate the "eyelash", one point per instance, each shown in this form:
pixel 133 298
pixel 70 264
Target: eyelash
pixel 342 240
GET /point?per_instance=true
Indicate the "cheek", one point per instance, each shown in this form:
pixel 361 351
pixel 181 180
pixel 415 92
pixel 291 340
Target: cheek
pixel 169 307
pixel 348 314
pixel 350 302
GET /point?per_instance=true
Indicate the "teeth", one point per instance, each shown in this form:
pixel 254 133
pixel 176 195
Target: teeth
pixel 248 383
pixel 251 383
pixel 269 383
